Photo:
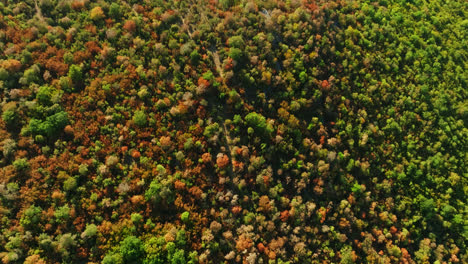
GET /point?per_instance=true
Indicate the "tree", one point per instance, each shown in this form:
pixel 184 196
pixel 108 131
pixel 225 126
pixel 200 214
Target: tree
pixel 139 118
pixel 50 127
pixel 21 165
pixel 195 57
pixel 131 249
pixel 236 42
pixel 90 231
pixel 75 73
pixel 10 117
pixel 31 217
pixel 236 54
pixel 159 192
pixel 44 95
pixel 97 13
pixel 258 123
pixel 114 10
pixel 113 258
pixel 185 217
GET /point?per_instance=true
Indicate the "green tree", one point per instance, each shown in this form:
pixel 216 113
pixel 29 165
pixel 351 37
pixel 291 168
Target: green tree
pixel 258 123
pixel 10 117
pixel 185 217
pixel 90 231
pixel 31 217
pixel 236 54
pixel 131 249
pixel 139 118
pixel 159 192
pixel 44 95
pixel 21 165
pixel 195 57
pixel 62 213
pixel 114 10
pixel 75 73
pixel 50 127
pixel 112 258
pixel 236 42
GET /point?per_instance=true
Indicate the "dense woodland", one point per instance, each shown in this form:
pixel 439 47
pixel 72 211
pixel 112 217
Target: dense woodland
pixel 233 131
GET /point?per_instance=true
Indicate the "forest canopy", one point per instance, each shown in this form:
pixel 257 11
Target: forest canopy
pixel 233 131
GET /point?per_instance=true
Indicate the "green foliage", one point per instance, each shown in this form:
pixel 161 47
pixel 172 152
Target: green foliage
pixel 346 255
pixel 236 54
pixel 113 258
pixel 428 207
pixel 139 118
pixel 83 169
pixel 90 231
pixel 195 57
pixel 265 131
pixel 44 95
pixel 211 130
pixel 236 42
pixel 185 217
pixel 209 76
pixel 21 165
pixel 68 58
pixel 178 257
pixel 356 188
pixel 31 217
pixel 62 213
pixel 70 184
pixel 50 127
pixel 75 73
pixel 155 253
pixel 258 123
pixel 136 218
pixel 158 192
pixel 10 117
pixel 114 10
pixel 30 75
pixel 131 249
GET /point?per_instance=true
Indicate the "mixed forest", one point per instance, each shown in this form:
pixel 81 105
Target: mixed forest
pixel 233 131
